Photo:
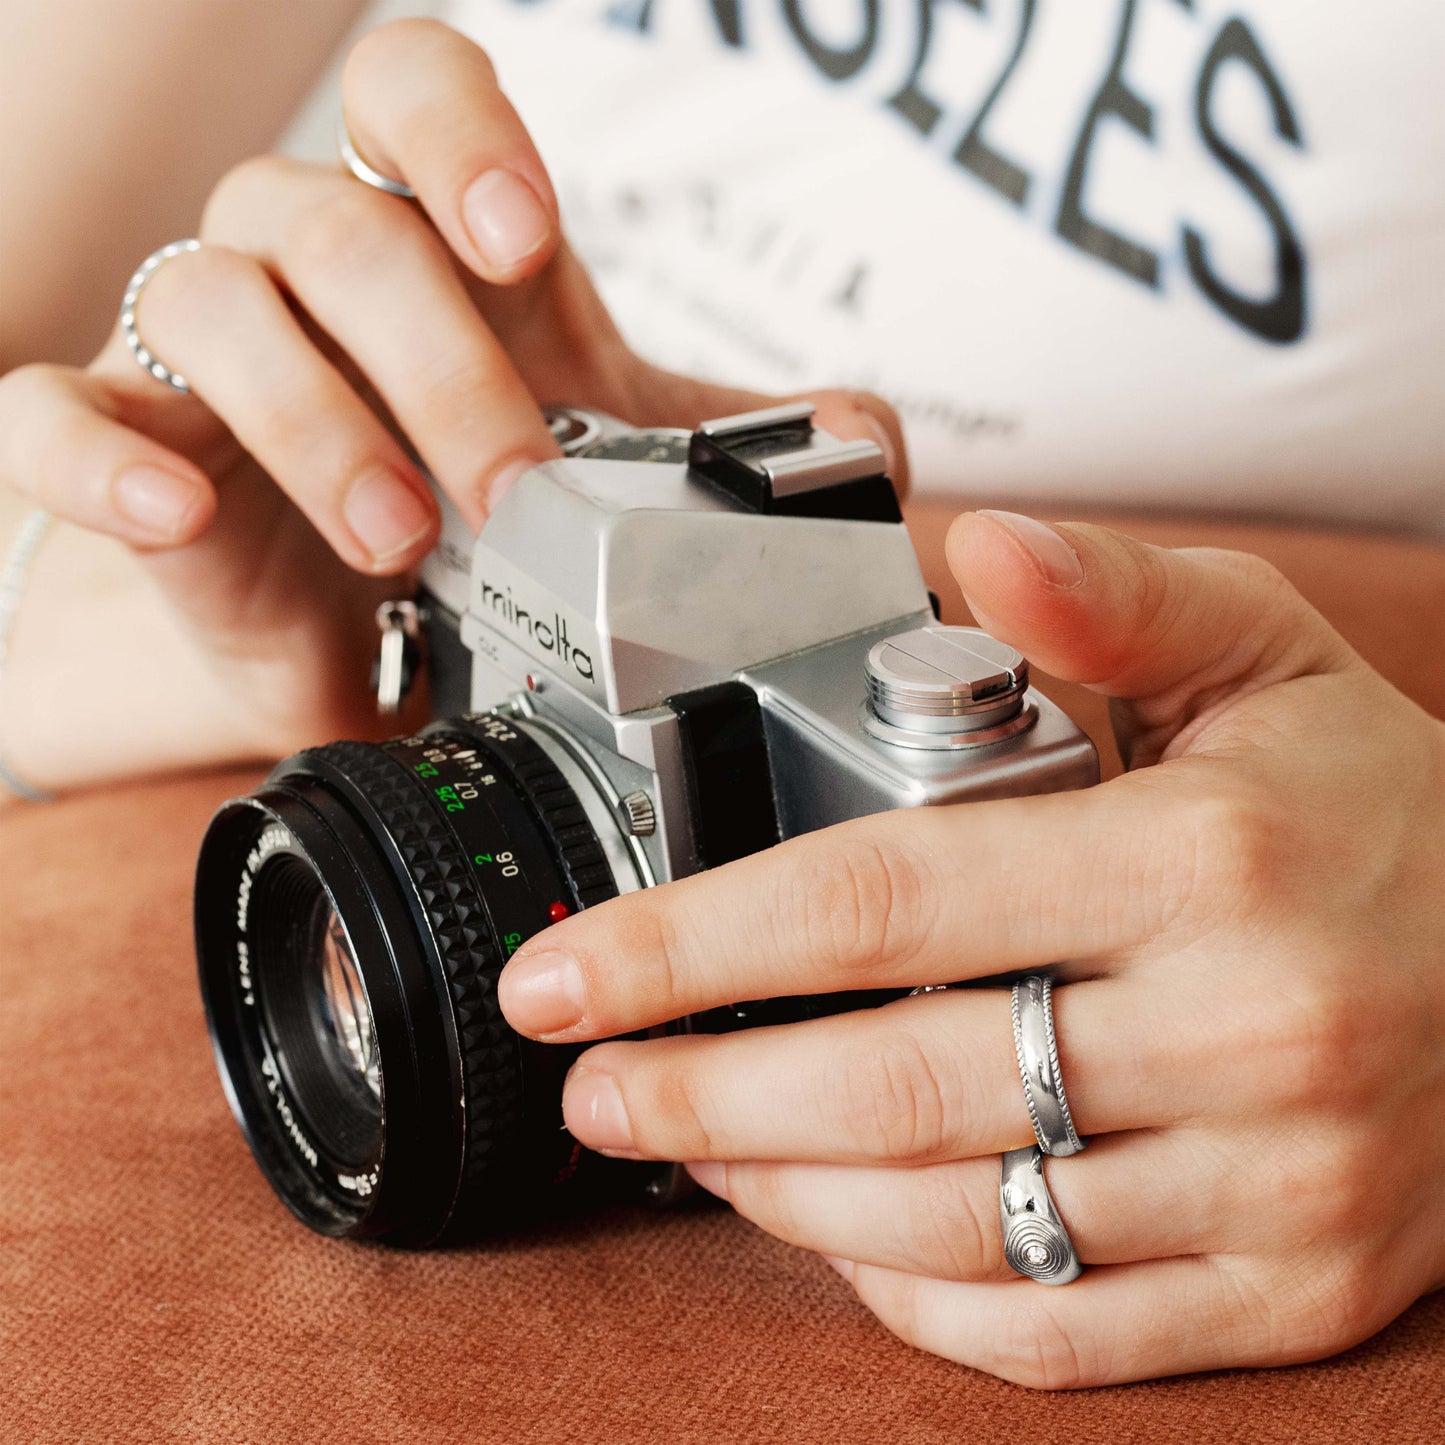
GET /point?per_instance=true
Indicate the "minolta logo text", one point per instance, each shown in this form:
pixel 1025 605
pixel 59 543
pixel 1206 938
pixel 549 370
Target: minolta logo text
pixel 548 635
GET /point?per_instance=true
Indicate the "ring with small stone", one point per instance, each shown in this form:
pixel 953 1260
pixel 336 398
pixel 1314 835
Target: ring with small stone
pixel 1035 1242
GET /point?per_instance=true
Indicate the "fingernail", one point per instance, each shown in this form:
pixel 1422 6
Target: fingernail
pixel 1055 558
pixel 593 1108
pixel 155 500
pixel 711 1174
pixel 501 484
pixel 385 515
pixel 843 1266
pixel 542 993
pixel 505 217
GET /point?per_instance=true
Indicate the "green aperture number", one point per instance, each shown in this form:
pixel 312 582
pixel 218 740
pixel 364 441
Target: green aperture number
pixel 503 861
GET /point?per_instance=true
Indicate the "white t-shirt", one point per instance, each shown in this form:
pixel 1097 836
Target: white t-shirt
pixel 1160 253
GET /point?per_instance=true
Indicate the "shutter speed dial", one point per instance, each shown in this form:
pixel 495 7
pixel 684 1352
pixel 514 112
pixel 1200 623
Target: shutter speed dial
pixel 942 687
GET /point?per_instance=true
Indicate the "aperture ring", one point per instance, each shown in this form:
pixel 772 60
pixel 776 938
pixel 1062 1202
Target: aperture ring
pixel 537 779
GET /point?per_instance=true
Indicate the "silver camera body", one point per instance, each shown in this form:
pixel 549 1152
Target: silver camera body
pixel 723 639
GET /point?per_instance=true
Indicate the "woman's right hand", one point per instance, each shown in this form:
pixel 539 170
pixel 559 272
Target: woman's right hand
pixel 275 504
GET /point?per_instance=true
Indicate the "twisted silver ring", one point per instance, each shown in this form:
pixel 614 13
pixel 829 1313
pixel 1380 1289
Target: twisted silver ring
pixel 1035 1242
pixel 353 162
pixel 1038 1057
pixel 145 358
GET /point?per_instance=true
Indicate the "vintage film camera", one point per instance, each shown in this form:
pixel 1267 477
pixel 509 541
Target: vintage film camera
pixel 665 651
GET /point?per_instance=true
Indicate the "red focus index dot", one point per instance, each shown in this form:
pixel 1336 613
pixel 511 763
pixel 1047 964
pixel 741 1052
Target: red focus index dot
pixel 557 912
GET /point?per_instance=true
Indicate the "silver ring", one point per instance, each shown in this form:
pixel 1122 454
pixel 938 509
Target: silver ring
pixel 363 172
pixel 1035 1242
pixel 145 358
pixel 1038 1056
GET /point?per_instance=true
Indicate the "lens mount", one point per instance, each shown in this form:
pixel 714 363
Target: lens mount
pixel 352 917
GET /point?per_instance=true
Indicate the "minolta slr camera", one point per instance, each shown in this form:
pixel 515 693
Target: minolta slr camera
pixel 665 651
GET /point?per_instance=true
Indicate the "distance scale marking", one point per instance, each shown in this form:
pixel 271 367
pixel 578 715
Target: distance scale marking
pixel 522 887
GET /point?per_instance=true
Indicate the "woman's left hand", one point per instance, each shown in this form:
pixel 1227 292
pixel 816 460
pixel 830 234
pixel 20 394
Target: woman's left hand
pixel 1251 1023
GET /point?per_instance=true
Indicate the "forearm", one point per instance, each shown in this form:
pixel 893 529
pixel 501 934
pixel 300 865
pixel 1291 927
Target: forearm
pixel 116 118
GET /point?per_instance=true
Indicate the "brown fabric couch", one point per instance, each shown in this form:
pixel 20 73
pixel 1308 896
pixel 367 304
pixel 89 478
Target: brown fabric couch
pixel 152 1288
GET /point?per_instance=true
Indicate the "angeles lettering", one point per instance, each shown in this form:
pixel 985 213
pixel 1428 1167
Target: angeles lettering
pixel 1279 318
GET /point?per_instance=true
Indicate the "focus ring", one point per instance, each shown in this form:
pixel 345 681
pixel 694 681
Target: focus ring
pixel 447 888
pixel 538 780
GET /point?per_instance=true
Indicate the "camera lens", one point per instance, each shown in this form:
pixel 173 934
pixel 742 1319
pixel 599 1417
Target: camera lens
pixel 352 917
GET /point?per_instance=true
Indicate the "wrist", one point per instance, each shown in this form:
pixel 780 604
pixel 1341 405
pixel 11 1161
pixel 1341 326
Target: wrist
pixel 100 681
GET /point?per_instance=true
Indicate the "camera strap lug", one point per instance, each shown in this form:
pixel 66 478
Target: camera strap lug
pixel 399 658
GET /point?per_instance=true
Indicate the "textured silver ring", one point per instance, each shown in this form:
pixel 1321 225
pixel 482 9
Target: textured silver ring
pixel 1038 1056
pixel 145 358
pixel 1035 1242
pixel 353 162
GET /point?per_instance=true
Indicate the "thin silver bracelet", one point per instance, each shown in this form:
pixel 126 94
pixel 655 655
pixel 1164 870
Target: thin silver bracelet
pixel 12 585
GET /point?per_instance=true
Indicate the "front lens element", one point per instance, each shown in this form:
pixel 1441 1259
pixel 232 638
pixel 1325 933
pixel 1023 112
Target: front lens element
pixel 316 1021
pixel 348 1015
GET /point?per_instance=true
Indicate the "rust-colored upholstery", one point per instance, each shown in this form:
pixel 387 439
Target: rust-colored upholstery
pixel 152 1288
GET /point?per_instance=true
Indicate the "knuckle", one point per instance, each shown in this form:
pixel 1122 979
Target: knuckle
pixel 345 229
pixel 861 903
pixel 1252 571
pixel 286 433
pixel 1253 1315
pixel 37 445
pixel 1344 1190
pixel 1241 843
pixel 238 191
pixel 1150 598
pixel 458 386
pixel 645 932
pixel 894 1297
pixel 760 1192
pixel 672 1094
pixel 30 385
pixel 1304 1306
pixel 946 1228
pixel 1317 1044
pixel 203 282
pixel 1034 1348
pixel 412 40
pixel 894 1099
pixel 1343 1306
pixel 653 936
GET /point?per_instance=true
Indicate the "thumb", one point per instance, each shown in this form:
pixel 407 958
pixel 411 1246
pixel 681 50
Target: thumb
pixel 1171 632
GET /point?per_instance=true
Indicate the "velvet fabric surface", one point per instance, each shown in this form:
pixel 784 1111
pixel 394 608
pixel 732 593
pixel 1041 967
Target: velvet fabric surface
pixel 153 1289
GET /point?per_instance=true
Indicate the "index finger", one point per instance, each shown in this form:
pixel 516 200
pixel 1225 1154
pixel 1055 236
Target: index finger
pixel 920 896
pixel 422 105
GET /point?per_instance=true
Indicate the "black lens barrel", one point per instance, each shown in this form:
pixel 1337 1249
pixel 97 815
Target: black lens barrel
pixel 440 854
